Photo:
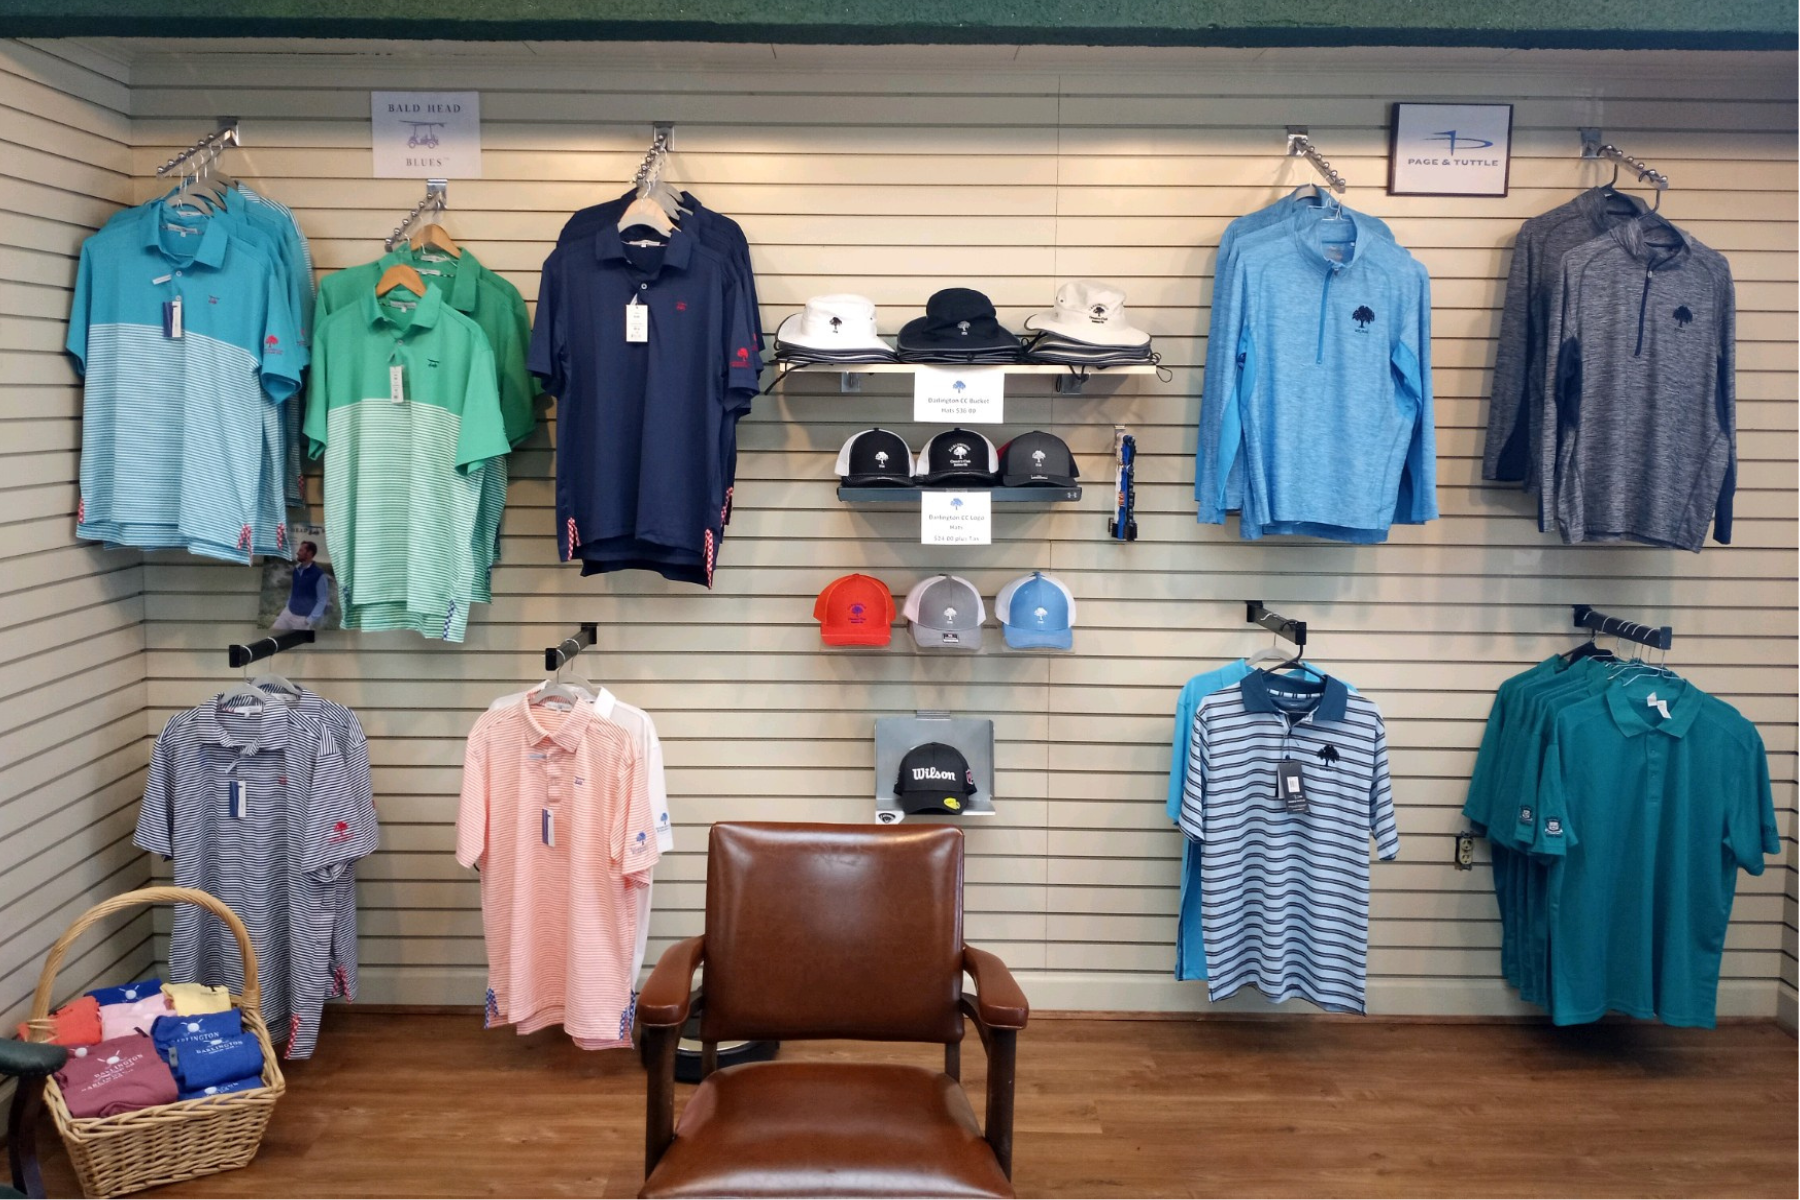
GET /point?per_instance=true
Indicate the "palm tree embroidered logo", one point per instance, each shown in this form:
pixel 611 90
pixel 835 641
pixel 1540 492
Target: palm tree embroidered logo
pixel 1362 316
pixel 1683 316
pixel 1328 755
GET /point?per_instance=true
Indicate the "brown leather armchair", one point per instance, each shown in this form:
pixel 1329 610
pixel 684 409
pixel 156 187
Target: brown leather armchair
pixel 831 931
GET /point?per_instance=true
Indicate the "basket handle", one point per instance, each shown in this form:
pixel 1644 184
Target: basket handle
pixel 252 996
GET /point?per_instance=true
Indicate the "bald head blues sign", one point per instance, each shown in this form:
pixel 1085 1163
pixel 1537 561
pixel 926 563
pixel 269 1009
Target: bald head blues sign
pixel 426 135
pixel 1449 149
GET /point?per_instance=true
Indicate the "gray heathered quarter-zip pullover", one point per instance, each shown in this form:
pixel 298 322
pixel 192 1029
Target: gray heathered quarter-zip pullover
pixel 1518 394
pixel 1642 445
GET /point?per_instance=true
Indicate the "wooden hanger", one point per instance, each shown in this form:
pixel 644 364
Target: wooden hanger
pixel 400 275
pixel 436 237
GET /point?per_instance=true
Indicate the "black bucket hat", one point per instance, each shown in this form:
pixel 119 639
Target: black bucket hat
pixel 1037 459
pixel 957 321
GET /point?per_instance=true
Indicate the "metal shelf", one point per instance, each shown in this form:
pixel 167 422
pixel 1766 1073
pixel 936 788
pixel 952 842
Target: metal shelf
pixel 1001 495
pixel 1068 379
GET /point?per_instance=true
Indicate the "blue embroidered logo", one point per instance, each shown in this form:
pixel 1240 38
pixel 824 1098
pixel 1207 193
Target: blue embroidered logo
pixel 1683 315
pixel 1453 139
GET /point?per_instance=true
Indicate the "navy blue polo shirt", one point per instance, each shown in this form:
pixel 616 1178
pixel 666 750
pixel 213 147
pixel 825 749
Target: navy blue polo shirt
pixel 644 429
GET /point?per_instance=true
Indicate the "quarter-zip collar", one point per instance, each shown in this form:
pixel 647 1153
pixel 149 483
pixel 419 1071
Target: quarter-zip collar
pixel 1657 246
pixel 1310 227
pixel 1605 207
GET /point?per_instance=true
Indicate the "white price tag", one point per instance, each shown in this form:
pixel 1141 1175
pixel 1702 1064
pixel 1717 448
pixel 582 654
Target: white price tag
pixel 637 321
pixel 959 395
pixel 956 519
pixel 397 383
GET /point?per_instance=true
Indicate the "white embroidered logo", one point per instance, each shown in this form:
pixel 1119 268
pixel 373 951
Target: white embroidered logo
pixel 949 614
pixel 1041 614
pixel 881 458
pixel 1037 456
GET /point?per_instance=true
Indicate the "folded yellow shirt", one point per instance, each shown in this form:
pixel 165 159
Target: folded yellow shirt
pixel 196 999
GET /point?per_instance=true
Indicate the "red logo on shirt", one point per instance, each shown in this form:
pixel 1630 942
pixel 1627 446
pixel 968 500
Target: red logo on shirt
pixel 681 306
pixel 271 340
pixel 341 831
pixel 743 355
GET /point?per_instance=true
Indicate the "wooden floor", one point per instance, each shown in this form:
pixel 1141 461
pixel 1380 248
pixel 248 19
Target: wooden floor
pixel 434 1106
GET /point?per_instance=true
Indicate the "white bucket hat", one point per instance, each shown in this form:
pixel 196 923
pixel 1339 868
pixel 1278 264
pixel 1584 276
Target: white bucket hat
pixel 833 323
pixel 1092 312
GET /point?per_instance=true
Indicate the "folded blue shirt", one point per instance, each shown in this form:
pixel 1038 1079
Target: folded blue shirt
pixel 128 993
pixel 199 1064
pixel 222 1089
pixel 167 1031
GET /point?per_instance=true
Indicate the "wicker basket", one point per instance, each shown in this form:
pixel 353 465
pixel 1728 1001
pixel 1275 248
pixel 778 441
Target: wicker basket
pixel 170 1142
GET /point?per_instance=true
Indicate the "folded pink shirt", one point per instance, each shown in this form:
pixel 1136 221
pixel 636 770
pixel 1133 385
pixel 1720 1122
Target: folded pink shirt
pixel 120 1075
pixel 118 1020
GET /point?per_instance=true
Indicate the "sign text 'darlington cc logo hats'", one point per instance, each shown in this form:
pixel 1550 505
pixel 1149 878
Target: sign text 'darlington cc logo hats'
pixel 959 456
pixel 946 612
pixel 855 610
pixel 1037 612
pixel 832 329
pixel 875 458
pixel 1037 459
pixel 934 778
pixel 1091 312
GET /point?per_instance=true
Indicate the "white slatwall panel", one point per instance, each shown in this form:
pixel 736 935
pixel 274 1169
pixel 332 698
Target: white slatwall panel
pixel 887 174
pixel 72 734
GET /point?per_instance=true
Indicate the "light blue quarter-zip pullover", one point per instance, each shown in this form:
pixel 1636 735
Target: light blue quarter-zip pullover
pixel 1328 401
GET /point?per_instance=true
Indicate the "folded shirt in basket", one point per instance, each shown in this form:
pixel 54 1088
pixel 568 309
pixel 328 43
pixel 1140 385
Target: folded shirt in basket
pixel 125 993
pixel 224 1089
pixel 116 1076
pixel 199 1064
pixel 77 1023
pixel 206 1027
pixel 193 999
pixel 118 1020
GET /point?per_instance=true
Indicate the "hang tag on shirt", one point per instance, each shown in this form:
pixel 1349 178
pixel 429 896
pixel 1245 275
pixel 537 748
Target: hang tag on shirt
pixel 1661 706
pixel 637 321
pixel 240 798
pixel 397 383
pixel 1290 785
pixel 172 318
pixel 549 828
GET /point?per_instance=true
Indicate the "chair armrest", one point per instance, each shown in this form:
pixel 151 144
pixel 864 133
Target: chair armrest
pixel 999 1001
pixel 664 1000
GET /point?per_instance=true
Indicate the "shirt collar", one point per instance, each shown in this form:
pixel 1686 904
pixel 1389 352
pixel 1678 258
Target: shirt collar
pixel 212 241
pixel 1309 224
pixel 1648 239
pixel 464 276
pixel 1631 714
pixel 1333 695
pixel 423 317
pixel 604 703
pixel 271 728
pixel 609 246
pixel 1600 206
pixel 568 735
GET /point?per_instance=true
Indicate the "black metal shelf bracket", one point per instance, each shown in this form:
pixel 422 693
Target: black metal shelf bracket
pixel 1659 637
pixel 243 656
pixel 1275 623
pixel 559 656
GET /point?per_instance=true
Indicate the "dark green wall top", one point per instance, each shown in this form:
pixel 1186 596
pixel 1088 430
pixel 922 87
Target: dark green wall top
pixel 1588 24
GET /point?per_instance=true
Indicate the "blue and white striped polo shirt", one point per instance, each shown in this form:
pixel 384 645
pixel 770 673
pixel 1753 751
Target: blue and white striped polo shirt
pixel 279 861
pixel 172 447
pixel 1286 894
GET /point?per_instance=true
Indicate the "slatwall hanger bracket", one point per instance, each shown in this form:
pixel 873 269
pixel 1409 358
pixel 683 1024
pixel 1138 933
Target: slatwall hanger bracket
pixel 1591 140
pixel 1657 637
pixel 1275 623
pixel 244 655
pixel 851 382
pixel 561 655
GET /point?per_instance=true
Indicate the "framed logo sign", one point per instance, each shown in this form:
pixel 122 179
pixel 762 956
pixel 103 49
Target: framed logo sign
pixel 1449 149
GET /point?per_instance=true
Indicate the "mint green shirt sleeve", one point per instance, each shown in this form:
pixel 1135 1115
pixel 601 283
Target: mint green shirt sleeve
pixel 481 433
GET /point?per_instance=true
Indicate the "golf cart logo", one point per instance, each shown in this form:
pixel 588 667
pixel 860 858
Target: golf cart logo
pixel 424 133
pixel 1453 139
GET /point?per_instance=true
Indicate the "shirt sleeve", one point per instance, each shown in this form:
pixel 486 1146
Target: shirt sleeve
pixel 635 848
pixel 1545 828
pixel 517 387
pixel 1185 705
pixel 318 611
pixel 472 808
pixel 1726 395
pixel 546 357
pixel 1562 388
pixel 743 370
pixel 481 431
pixel 282 354
pixel 1193 797
pixel 156 816
pixel 1383 826
pixel 1416 501
pixel 659 793
pixel 1751 831
pixel 1228 347
pixel 318 393
pixel 76 340
pixel 340 815
pixel 1504 457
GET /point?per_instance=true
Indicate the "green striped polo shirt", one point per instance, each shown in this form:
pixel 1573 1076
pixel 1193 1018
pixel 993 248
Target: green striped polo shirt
pixel 404 479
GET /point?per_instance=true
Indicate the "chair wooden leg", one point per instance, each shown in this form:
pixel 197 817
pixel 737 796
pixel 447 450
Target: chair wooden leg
pixel 709 1058
pixel 953 1060
pixel 21 1136
pixel 659 1114
pixel 1002 1056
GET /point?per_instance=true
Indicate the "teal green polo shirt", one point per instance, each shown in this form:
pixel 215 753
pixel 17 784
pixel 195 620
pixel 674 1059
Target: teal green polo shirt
pixel 1649 818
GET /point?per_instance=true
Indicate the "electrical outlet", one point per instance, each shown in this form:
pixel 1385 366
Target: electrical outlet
pixel 1465 850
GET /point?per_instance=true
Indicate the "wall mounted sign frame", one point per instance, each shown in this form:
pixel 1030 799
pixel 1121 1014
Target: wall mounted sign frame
pixel 1449 149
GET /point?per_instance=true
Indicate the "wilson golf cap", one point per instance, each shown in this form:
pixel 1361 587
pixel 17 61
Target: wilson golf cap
pixel 945 612
pixel 959 456
pixel 1091 312
pixel 855 610
pixel 934 778
pixel 1037 460
pixel 830 328
pixel 1037 612
pixel 875 458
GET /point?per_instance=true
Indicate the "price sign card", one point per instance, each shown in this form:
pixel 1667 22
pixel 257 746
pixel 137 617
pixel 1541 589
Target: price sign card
pixel 959 395
pixel 956 519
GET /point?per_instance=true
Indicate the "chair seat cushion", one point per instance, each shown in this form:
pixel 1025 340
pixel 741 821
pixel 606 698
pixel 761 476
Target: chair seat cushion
pixel 828 1129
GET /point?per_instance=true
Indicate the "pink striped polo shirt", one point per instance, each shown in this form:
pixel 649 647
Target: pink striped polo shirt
pixel 556 812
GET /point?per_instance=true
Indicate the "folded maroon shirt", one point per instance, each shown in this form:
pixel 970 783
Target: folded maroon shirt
pixel 118 1076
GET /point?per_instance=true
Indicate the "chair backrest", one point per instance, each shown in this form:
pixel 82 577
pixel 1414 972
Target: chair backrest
pixel 833 931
